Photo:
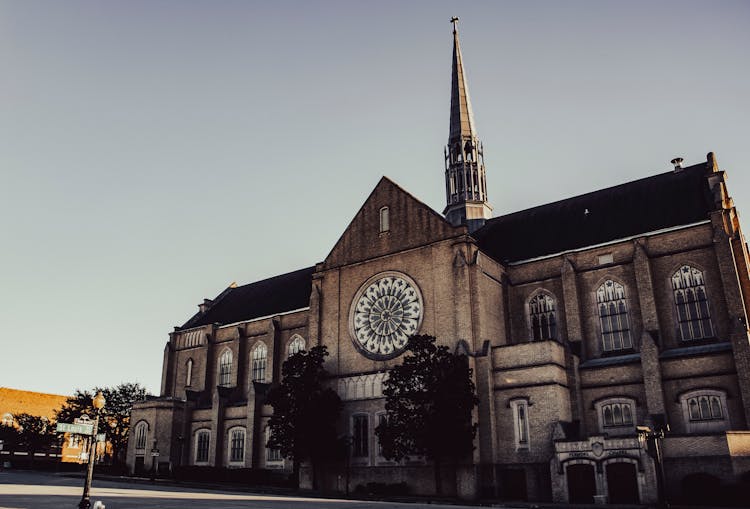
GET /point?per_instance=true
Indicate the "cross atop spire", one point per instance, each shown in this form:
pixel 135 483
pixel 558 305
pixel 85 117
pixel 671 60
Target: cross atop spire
pixel 454 20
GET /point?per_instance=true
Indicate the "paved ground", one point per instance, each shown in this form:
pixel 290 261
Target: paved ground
pixel 39 490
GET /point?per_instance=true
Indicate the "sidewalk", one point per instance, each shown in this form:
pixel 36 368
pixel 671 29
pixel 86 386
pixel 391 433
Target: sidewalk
pixel 273 490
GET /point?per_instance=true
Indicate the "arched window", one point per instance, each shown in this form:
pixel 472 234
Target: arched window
pixel 542 317
pixel 381 418
pixel 260 356
pixel 202 442
pixel 236 445
pixel 361 436
pixel 705 410
pixel 273 454
pixel 613 316
pixel 189 372
pixel 693 316
pixel 520 410
pixel 141 435
pixel 616 415
pixel 225 368
pixel 297 344
pixel 385 222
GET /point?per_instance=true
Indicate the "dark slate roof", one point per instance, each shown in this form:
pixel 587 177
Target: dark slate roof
pixel 263 298
pixel 653 203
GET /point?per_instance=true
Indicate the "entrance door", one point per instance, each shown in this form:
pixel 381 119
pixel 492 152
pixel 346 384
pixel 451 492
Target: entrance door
pixel 622 483
pixel 581 483
pixel 514 484
pixel 139 465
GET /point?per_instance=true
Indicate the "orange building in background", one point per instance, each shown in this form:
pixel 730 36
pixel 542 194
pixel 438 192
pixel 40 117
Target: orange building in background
pixel 14 402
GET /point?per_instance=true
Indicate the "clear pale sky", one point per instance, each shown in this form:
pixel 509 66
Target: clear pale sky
pixel 153 152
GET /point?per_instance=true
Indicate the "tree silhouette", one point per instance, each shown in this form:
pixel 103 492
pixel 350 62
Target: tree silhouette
pixel 430 397
pixel 34 433
pixel 114 419
pixel 305 412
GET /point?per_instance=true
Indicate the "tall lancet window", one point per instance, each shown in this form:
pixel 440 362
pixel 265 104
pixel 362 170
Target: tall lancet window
pixel 613 316
pixel 297 344
pixel 260 356
pixel 225 368
pixel 693 316
pixel 385 220
pixel 520 410
pixel 542 317
pixel 189 372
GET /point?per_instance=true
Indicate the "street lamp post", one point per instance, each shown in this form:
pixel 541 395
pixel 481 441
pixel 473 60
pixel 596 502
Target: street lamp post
pixel 85 502
pixel 154 458
pixel 654 438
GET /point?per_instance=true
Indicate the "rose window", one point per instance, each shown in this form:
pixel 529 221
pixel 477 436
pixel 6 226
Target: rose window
pixel 386 311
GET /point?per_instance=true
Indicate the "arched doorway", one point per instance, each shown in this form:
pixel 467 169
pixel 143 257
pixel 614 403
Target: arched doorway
pixel 581 483
pixel 622 483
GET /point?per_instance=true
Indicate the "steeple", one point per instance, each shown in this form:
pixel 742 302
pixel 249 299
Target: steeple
pixel 465 181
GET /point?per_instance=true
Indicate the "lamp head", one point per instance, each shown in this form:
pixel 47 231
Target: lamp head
pixel 99 400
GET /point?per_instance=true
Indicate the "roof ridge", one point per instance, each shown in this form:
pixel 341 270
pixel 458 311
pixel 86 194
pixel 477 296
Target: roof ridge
pixel 648 204
pixel 238 303
pixel 596 191
pixel 410 195
pixel 312 267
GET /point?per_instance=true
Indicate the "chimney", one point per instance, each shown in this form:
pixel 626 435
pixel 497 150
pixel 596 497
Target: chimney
pixel 205 306
pixel 677 162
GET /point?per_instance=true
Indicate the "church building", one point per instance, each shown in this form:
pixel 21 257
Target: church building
pixel 593 325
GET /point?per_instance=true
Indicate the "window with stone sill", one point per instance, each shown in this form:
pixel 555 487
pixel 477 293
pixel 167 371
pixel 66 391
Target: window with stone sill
pixel 381 419
pixel 616 415
pixel 189 372
pixel 225 368
pixel 273 454
pixel 705 411
pixel 520 412
pixel 237 445
pixel 141 434
pixel 260 359
pixel 691 303
pixel 361 436
pixel 613 317
pixel 385 220
pixel 542 318
pixel 202 442
pixel 296 345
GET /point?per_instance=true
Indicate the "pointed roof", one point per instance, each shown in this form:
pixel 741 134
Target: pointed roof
pixel 271 296
pixel 412 224
pixel 462 117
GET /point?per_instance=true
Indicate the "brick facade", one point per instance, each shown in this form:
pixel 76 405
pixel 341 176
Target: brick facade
pixel 469 298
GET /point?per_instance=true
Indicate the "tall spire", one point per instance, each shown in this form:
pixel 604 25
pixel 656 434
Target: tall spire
pixel 462 116
pixel 465 180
